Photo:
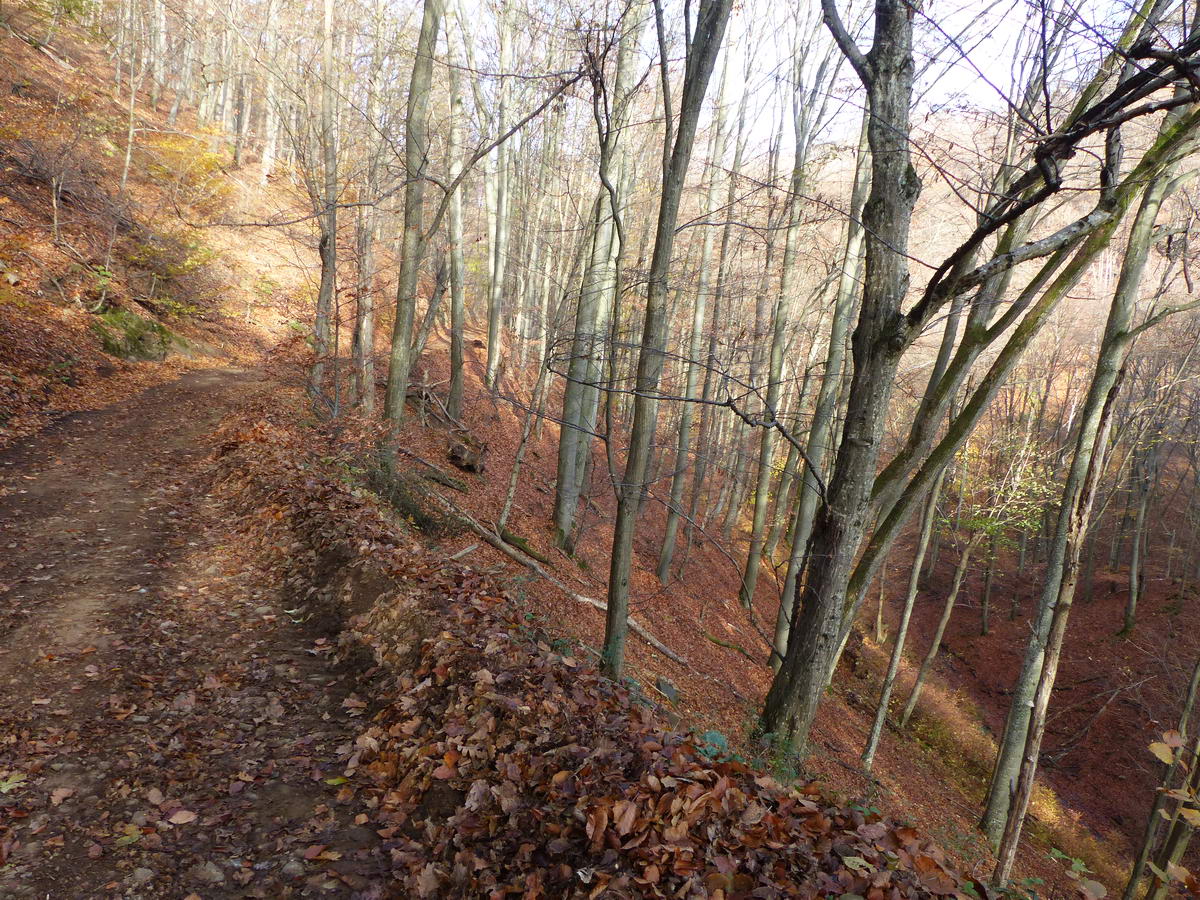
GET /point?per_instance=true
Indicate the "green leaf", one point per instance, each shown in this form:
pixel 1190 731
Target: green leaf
pixel 11 783
pixel 336 780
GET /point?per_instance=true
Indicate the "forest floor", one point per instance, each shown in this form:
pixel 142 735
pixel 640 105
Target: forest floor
pixel 167 730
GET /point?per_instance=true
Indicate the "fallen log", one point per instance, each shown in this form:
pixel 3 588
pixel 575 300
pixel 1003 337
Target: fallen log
pixel 730 645
pixel 529 562
pixel 523 545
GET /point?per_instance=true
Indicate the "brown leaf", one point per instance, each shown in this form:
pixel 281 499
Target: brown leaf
pixel 624 814
pixel 597 824
pixel 58 795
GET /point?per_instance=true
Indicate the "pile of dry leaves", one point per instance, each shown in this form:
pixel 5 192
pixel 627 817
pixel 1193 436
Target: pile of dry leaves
pixel 504 768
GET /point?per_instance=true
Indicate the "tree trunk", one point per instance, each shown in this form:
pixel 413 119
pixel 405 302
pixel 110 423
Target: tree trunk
pixel 940 632
pixel 328 218
pixel 889 679
pixel 1016 764
pixel 596 298
pixel 704 45
pixel 363 342
pixel 1144 465
pixel 986 603
pixel 877 345
pixel 820 435
pixel 803 124
pixel 416 152
pixel 1154 819
pixel 454 229
pixel 499 246
pixel 880 628
pixel 716 153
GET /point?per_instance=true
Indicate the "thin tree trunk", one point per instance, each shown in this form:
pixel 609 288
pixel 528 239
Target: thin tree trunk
pixel 1145 469
pixel 711 18
pixel 454 228
pixel 779 317
pixel 1154 819
pixel 927 663
pixel 363 341
pixel 270 99
pixel 597 296
pixel 322 325
pixel 985 604
pixel 1025 725
pixel 514 478
pixel 416 152
pixel 431 310
pixel 499 247
pixel 889 679
pixel 820 435
pixel 716 152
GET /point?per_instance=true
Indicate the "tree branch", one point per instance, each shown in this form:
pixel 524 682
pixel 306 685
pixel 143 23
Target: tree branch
pixel 833 21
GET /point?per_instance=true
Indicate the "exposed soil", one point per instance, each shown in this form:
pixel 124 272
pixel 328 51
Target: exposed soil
pixel 167 730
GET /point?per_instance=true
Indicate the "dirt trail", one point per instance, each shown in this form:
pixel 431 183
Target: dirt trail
pixel 166 729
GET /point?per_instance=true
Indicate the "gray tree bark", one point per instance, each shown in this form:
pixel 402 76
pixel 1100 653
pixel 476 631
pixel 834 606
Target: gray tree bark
pixel 1016 765
pixel 889 679
pixel 703 47
pixel 416 157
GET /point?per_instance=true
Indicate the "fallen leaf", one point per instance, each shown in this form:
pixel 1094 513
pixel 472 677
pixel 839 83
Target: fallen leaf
pixel 1163 752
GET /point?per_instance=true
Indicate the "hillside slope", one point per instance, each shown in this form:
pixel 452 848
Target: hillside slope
pixel 110 283
pixel 110 279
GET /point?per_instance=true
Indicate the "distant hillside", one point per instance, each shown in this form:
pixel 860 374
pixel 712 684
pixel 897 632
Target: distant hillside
pixel 107 282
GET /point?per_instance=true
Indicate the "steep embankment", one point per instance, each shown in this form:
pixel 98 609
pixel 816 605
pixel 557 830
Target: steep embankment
pixel 933 775
pixel 501 761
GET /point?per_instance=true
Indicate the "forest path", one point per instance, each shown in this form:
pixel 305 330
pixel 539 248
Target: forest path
pixel 166 730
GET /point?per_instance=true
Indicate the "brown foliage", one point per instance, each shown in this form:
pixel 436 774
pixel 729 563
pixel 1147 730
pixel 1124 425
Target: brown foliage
pixel 502 767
